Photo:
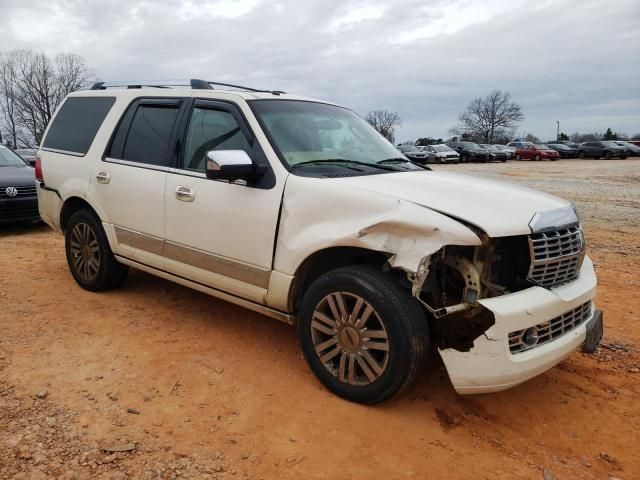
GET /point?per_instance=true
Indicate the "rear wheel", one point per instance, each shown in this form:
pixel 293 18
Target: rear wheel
pixel 581 155
pixel 607 155
pixel 89 256
pixel 364 337
pixel 518 157
pixel 537 158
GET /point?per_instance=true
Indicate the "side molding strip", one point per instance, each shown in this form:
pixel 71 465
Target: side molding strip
pixel 196 258
pixel 269 312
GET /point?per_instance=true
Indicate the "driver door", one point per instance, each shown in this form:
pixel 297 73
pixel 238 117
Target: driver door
pixel 221 233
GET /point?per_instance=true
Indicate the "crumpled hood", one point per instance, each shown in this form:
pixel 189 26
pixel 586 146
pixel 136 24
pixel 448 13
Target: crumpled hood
pixel 497 207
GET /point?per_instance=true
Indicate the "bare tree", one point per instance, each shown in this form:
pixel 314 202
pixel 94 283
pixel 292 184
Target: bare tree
pixel 384 122
pixel 34 86
pixel 489 117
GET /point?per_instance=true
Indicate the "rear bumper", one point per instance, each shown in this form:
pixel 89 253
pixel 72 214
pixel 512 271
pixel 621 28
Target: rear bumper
pixel 490 366
pixel 19 209
pixel 49 205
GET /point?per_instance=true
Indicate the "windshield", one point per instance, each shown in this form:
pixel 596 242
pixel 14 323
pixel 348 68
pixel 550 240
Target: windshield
pixel 307 131
pixel 10 159
pixel 471 145
pixel 543 146
pixel 610 144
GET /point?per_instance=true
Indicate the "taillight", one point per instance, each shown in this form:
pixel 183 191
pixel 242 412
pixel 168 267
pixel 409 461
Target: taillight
pixel 39 175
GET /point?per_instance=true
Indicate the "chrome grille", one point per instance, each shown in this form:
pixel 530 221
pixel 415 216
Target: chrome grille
pixel 556 256
pixel 24 191
pixel 548 331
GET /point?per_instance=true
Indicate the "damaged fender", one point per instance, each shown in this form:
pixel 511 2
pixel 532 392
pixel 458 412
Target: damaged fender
pixel 344 216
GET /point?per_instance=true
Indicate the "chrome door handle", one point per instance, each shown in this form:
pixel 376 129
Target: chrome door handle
pixel 185 194
pixel 103 177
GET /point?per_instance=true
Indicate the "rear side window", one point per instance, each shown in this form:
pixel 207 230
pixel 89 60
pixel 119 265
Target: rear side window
pixel 144 133
pixel 76 124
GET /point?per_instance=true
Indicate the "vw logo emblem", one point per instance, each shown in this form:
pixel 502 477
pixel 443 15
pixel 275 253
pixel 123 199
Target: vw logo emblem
pixel 11 191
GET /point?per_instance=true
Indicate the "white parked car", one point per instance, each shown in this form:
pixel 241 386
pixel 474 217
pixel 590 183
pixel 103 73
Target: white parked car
pixel 441 154
pixel 298 209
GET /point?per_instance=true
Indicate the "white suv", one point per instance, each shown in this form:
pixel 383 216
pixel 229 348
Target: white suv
pixel 299 210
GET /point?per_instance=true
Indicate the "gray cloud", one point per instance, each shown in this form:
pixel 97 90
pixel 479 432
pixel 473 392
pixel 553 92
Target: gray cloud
pixel 569 60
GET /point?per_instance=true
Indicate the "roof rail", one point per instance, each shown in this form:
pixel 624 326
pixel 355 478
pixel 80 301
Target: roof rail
pixel 194 83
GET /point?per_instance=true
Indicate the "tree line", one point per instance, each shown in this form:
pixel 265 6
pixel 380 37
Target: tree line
pixel 490 119
pixel 32 85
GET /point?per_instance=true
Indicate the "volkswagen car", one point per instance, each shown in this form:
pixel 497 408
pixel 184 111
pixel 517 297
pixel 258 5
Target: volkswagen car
pixel 18 196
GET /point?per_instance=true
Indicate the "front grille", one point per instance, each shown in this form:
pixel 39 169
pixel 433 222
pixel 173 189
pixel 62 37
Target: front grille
pixel 556 256
pixel 19 211
pixel 550 330
pixel 24 191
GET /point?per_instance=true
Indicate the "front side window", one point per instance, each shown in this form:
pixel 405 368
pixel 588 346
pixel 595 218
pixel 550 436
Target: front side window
pixel 211 129
pixel 308 131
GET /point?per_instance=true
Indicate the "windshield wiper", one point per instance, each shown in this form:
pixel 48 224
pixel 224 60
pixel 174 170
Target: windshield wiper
pixel 343 160
pixel 394 160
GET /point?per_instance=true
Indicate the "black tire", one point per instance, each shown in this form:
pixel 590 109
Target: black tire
pixel 518 157
pixel 396 310
pixel 623 157
pixel 607 155
pixel 109 273
pixel 537 158
pixel 581 155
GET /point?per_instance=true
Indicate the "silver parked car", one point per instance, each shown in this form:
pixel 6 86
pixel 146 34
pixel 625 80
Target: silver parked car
pixel 441 154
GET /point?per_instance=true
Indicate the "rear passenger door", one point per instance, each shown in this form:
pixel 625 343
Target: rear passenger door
pixel 222 233
pixel 129 182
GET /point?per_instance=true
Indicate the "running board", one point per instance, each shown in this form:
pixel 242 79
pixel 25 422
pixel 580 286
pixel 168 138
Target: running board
pixel 256 307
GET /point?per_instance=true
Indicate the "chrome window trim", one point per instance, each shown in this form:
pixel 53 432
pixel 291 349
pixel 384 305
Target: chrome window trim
pixel 128 163
pixel 63 152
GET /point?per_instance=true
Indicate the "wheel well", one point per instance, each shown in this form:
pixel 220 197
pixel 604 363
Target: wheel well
pixel 71 206
pixel 329 259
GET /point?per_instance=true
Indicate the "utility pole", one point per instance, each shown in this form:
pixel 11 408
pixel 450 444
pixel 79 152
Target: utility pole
pixel 558 132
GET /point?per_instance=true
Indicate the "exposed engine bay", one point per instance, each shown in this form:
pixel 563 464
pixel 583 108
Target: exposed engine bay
pixel 453 280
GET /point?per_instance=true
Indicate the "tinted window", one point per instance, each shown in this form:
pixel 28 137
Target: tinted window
pixel 148 137
pixel 76 124
pixel 211 130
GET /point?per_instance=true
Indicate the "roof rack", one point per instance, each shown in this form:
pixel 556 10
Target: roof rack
pixel 194 83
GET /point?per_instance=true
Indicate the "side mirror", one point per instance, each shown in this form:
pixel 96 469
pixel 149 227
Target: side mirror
pixel 229 165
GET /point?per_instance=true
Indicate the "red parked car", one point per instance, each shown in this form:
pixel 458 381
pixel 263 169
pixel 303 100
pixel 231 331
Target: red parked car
pixel 529 151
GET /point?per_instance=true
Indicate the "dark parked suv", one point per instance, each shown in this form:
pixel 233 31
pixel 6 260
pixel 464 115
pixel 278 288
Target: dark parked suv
pixel 606 149
pixel 470 152
pixel 18 197
pixel 565 151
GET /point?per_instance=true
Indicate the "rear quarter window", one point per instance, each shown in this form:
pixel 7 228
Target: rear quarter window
pixel 77 123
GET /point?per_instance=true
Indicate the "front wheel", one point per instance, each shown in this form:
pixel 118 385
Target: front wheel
pixel 537 158
pixel 607 155
pixel 89 256
pixel 363 335
pixel 582 155
pixel 518 157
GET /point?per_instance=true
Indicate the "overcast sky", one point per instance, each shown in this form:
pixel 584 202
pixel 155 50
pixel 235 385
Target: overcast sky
pixel 576 61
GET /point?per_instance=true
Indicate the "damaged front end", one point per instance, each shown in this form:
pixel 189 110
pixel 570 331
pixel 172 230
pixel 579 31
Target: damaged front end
pixel 451 282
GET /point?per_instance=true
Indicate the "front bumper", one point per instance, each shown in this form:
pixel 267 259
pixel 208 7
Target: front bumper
pixel 19 209
pixel 490 366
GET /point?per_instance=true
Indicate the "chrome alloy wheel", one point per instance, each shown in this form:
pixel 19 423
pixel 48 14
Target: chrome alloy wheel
pixel 350 338
pixel 85 251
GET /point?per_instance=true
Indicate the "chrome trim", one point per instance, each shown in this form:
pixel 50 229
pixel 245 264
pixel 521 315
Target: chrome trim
pixel 136 164
pixel 185 194
pixel 63 152
pixel 556 256
pixel 551 329
pixel 256 307
pixel 187 173
pixel 140 241
pixel 217 264
pixel 196 258
pixel 555 219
